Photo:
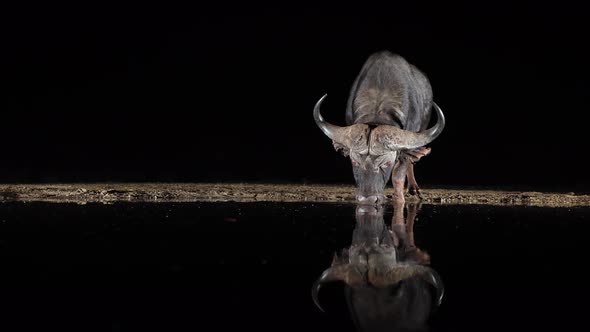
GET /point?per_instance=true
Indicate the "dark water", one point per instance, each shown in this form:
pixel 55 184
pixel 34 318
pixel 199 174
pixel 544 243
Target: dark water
pixel 251 266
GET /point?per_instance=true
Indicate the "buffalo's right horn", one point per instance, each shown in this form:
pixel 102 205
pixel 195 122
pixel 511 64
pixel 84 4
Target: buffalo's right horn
pixel 353 137
pixel 391 138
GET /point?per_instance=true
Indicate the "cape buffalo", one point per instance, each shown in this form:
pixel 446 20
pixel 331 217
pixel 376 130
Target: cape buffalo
pixel 387 114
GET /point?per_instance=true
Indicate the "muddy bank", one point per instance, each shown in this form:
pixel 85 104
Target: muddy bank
pixel 191 192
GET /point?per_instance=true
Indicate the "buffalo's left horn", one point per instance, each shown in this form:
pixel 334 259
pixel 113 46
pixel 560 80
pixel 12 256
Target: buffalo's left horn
pixel 393 138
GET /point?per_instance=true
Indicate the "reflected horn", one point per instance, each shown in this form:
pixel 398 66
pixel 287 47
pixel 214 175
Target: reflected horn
pixel 345 273
pixel 408 271
pixel 434 279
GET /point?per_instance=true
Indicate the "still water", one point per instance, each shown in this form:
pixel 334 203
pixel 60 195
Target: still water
pixel 252 266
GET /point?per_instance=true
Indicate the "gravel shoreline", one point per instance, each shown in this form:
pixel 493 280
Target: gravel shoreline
pixel 246 192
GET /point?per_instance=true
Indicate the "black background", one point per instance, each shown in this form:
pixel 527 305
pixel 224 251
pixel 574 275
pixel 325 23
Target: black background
pixel 167 92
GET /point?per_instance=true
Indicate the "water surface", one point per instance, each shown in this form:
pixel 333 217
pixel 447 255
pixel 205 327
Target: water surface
pixel 229 266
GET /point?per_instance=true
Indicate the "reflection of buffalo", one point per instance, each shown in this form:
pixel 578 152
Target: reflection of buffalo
pixel 386 285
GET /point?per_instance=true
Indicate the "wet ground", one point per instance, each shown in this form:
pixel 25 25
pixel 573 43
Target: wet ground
pixel 225 266
pixel 247 192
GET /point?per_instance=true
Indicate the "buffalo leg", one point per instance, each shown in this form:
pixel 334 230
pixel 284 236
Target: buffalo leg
pixel 413 188
pixel 415 155
pixel 398 179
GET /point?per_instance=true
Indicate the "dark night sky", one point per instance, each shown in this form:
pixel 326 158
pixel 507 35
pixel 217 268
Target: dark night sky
pixel 154 92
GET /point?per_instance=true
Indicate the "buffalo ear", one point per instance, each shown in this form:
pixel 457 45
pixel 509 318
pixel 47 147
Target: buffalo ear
pixel 341 148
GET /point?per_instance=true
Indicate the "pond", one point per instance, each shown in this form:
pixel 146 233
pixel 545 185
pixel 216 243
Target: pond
pixel 251 266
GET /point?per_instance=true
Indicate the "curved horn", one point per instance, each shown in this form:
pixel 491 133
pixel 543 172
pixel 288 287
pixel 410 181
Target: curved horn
pixel 327 276
pixel 435 280
pixel 346 273
pixel 402 272
pixel 433 132
pixel 393 138
pixel 329 129
pixel 353 137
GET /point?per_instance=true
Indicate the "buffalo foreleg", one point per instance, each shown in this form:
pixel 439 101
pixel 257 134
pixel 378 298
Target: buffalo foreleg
pixel 398 179
pixel 413 188
pixel 413 156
